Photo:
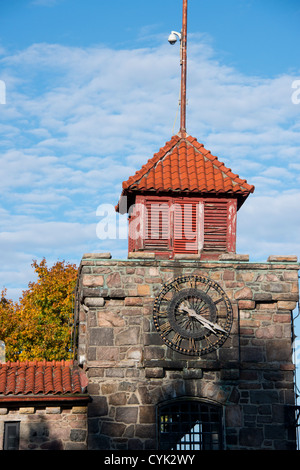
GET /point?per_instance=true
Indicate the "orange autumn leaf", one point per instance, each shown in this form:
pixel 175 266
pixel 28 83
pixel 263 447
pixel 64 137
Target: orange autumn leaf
pixel 40 325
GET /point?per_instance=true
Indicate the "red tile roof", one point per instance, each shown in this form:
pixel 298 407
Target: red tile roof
pixel 184 165
pixel 41 378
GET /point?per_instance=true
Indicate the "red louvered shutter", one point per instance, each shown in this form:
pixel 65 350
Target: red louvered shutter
pixel 215 226
pixel 186 227
pixel 157 225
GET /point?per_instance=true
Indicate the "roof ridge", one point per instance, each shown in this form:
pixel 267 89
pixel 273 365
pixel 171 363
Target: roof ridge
pixel 152 161
pixel 35 362
pixel 215 160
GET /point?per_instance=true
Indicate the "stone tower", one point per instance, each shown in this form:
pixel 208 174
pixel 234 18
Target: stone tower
pixel 186 352
pixel 186 344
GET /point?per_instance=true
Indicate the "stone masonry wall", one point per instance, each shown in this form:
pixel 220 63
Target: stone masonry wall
pixel 47 427
pixel 131 371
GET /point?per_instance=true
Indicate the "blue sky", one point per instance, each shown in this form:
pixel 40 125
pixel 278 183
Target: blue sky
pixel 91 92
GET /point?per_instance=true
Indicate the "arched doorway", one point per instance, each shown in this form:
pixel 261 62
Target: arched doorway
pixel 190 424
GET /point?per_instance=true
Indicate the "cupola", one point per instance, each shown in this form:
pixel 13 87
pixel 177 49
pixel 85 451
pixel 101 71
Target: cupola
pixel 183 201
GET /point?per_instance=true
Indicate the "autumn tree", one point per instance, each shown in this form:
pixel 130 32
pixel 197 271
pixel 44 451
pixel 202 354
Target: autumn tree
pixel 9 323
pixel 39 326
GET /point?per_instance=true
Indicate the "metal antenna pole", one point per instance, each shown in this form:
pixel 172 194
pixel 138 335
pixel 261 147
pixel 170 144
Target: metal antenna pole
pixel 183 68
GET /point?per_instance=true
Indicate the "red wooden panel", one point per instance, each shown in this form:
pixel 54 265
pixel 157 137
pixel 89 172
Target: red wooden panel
pixel 186 222
pixel 231 236
pixel 215 225
pixel 183 225
pixel 157 225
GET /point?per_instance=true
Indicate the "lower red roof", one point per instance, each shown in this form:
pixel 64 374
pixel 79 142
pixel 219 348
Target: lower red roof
pixel 41 378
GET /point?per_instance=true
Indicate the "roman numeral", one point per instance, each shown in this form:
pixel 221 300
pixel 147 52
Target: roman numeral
pixel 192 344
pixel 163 313
pixel 176 286
pixel 165 328
pixel 176 339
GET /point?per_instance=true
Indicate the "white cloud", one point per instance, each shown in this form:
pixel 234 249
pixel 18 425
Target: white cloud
pixel 270 225
pixel 80 121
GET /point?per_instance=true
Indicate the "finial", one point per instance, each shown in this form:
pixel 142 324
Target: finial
pixel 183 62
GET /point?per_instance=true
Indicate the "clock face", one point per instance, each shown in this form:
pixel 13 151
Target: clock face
pixel 193 315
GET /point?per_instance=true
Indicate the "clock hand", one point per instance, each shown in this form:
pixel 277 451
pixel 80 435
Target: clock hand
pixel 206 323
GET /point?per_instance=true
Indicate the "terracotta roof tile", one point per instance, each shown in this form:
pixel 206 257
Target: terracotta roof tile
pixel 183 164
pixel 40 378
